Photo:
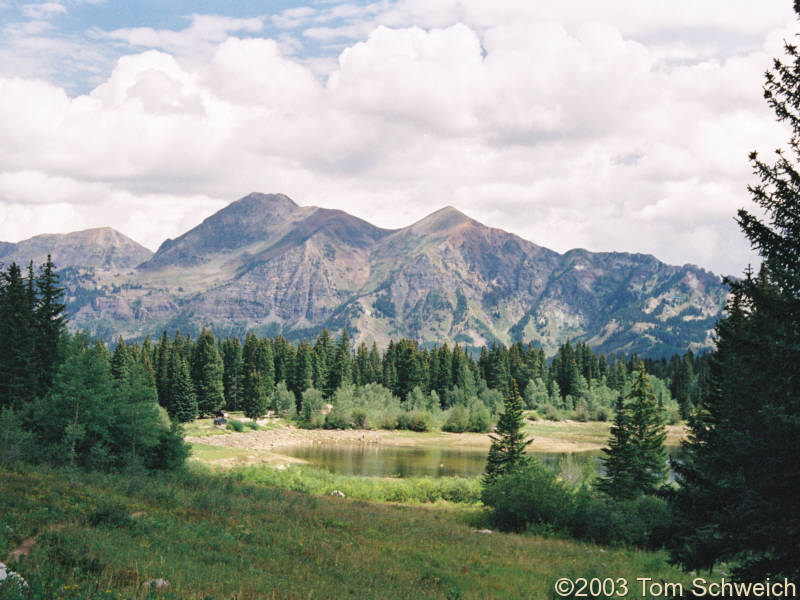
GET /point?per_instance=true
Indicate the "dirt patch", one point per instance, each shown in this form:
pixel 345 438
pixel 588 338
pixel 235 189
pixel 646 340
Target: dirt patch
pixel 27 545
pixel 577 437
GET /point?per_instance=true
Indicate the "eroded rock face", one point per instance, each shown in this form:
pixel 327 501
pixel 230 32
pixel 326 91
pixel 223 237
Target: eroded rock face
pixel 266 264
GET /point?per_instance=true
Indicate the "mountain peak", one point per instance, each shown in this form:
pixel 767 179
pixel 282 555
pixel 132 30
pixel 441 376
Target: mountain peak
pixel 266 200
pixel 103 247
pixel 441 221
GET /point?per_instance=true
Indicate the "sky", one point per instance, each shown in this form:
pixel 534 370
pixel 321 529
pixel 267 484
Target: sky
pixel 613 125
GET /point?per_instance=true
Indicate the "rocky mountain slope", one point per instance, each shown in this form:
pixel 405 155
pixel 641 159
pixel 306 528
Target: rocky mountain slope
pixel 264 263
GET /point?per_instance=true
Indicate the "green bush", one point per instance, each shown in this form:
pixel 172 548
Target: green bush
pixel 528 496
pixel 252 425
pixel 415 420
pixel 235 425
pixel 531 497
pixel 479 418
pixel 457 419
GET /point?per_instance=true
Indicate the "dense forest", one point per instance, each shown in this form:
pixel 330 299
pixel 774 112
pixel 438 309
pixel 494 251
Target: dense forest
pixel 62 398
pixel 200 377
pixel 403 386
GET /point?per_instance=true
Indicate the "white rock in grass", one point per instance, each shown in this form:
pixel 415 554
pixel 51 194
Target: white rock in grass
pixel 8 576
pixel 156 584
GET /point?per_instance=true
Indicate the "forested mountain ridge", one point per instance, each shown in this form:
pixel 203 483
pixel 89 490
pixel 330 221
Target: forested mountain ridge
pixel 265 264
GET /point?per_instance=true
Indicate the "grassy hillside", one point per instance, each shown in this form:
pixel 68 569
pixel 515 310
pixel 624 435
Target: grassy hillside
pixel 102 536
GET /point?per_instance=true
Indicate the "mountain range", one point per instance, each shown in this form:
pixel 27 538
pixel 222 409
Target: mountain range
pixel 267 265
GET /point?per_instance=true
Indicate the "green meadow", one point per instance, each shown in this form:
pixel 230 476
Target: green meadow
pixel 214 535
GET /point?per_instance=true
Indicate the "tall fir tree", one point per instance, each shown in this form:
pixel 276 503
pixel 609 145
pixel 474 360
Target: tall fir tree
pixel 51 321
pixel 737 501
pixel 618 460
pixel 231 350
pixel 180 390
pixel 509 444
pixel 255 394
pixel 19 365
pixel 207 371
pixel 647 435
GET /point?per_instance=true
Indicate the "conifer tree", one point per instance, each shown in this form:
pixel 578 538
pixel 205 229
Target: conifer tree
pixel 18 360
pixel 162 362
pixel 737 501
pixel 303 373
pixel 647 435
pixel 618 480
pixel 232 372
pixel 207 371
pixel 120 360
pixel 181 395
pixel 508 446
pixel 256 398
pixel 50 322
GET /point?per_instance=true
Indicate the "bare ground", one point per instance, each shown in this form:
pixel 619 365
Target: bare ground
pixel 563 436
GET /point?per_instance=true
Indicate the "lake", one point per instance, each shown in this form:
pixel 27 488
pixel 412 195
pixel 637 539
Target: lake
pixel 373 460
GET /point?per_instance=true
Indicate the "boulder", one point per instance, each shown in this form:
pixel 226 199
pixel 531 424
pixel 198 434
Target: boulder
pixel 8 576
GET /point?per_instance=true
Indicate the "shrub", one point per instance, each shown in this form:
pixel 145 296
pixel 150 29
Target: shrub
pixel 310 405
pixel 283 402
pixel 235 425
pixel 457 419
pixel 479 418
pixel 415 420
pixel 531 497
pixel 528 496
pixel 252 425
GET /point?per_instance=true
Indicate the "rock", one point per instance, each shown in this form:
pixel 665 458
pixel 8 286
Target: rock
pixel 7 576
pixel 337 493
pixel 484 531
pixel 157 584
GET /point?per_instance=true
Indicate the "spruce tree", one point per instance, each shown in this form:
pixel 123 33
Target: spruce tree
pixel 737 501
pixel 256 398
pixel 231 351
pixel 19 370
pixel 181 396
pixel 120 360
pixel 618 480
pixel 50 322
pixel 508 446
pixel 207 371
pixel 647 435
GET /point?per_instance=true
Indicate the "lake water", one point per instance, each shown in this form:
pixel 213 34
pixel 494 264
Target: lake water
pixel 373 460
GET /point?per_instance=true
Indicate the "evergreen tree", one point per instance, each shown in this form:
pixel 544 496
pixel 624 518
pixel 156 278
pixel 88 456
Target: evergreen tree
pixel 647 435
pixel 121 360
pixel 737 501
pixel 207 371
pixel 256 397
pixel 508 446
pixel 50 321
pixel 231 351
pixel 340 372
pixel 163 356
pixel 182 399
pixel 19 367
pixel 303 373
pixel 618 481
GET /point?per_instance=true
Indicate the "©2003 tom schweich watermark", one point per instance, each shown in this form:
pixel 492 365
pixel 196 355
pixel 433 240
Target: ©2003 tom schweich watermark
pixel 646 587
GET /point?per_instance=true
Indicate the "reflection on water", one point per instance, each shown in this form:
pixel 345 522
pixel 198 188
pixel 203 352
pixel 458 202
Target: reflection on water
pixel 373 460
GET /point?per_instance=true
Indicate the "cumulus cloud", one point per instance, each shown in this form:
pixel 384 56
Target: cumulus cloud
pixel 618 129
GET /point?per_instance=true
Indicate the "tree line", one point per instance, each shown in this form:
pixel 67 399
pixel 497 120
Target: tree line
pixel 196 378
